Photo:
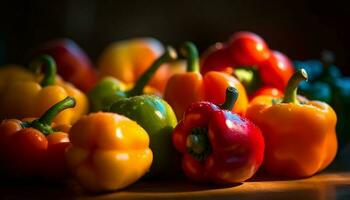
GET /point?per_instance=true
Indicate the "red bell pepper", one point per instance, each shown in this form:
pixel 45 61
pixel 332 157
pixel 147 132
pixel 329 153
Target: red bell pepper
pixel 217 145
pixel 72 62
pixel 246 49
pixel 35 148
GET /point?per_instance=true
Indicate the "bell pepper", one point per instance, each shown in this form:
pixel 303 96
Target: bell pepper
pixel 320 86
pixel 35 148
pixel 108 151
pixel 109 89
pixel 31 99
pixel 186 88
pixel 217 145
pixel 158 119
pixel 246 49
pixel 327 84
pixel 300 136
pixel 127 60
pixel 269 91
pixel 72 62
pixel 12 73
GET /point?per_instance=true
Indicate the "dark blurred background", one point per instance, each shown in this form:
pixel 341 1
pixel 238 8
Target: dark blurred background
pixel 301 29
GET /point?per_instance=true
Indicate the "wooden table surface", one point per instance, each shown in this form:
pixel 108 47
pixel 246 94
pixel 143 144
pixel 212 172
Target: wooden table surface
pixel 327 185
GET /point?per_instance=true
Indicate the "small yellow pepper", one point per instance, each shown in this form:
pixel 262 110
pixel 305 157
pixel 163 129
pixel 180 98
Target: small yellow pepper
pixel 23 99
pixel 108 151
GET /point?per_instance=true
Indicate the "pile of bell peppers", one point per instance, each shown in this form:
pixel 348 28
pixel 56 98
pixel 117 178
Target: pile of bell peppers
pixel 154 112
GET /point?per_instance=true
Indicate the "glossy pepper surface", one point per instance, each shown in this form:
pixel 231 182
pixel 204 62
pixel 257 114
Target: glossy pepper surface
pixel 154 115
pixel 184 89
pixel 73 64
pixel 246 49
pixel 108 90
pixel 37 147
pixel 23 99
pixel 158 119
pixel 108 151
pixel 300 136
pixel 127 60
pixel 218 145
pixel 329 85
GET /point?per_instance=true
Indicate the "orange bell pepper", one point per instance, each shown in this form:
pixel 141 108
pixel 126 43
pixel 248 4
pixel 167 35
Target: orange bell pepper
pixel 128 60
pixel 186 88
pixel 299 134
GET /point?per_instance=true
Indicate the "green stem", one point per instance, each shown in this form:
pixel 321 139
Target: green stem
pixel 50 69
pixel 291 91
pixel 189 50
pixel 168 55
pixel 230 99
pixel 43 124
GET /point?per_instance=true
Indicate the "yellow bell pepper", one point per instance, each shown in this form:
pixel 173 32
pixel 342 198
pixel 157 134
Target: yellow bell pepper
pixel 108 151
pixel 11 73
pixel 22 99
pixel 127 60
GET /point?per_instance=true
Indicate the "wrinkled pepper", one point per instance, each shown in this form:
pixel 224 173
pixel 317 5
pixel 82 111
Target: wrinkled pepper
pixel 23 99
pixel 127 60
pixel 186 88
pixel 108 151
pixel 35 148
pixel 109 89
pixel 72 62
pixel 299 135
pixel 217 145
pixel 247 50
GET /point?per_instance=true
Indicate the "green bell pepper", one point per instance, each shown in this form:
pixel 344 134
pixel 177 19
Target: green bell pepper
pixel 109 89
pixel 158 119
pixel 150 111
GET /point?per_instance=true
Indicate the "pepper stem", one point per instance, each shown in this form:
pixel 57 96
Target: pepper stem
pixel 230 99
pixel 291 91
pixel 197 143
pixel 50 70
pixel 168 55
pixel 43 124
pixel 189 50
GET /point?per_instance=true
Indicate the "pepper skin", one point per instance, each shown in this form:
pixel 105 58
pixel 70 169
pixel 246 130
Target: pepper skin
pixel 108 90
pixel 269 91
pixel 300 136
pixel 72 62
pixel 184 89
pixel 217 145
pixel 35 148
pixel 159 120
pixel 12 73
pixel 108 151
pixel 127 60
pixel 30 99
pixel 246 49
